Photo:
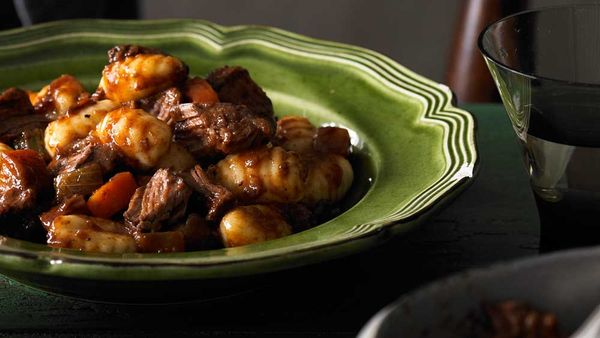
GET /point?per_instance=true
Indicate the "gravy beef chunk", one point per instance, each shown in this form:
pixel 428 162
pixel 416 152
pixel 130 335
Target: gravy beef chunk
pixel 234 85
pixel 209 131
pixel 122 170
pixel 15 102
pixel 17 115
pixel 162 201
pixel 84 152
pixel 23 179
pixel 217 198
pixel 163 105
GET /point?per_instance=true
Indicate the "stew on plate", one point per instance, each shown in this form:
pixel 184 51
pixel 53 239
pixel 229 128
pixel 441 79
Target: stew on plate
pixel 156 160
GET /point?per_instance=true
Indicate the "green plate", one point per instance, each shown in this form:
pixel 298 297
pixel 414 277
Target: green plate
pixel 412 148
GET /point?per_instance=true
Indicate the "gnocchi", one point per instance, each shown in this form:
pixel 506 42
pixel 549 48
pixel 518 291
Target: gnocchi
pixel 60 96
pixel 295 133
pixel 267 174
pixel 60 134
pixel 89 234
pixel 141 137
pixel 252 224
pixel 329 179
pixel 140 76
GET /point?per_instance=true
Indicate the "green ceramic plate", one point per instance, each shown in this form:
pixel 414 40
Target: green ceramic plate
pixel 412 148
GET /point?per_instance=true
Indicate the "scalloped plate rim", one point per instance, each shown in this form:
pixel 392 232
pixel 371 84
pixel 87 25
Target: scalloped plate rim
pixel 397 225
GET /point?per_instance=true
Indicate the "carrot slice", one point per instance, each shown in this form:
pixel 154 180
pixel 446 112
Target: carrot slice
pixel 32 96
pixel 199 90
pixel 113 196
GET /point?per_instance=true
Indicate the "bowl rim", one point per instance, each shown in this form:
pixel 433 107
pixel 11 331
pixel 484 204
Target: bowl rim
pixel 437 108
pixel 488 57
pixel 470 277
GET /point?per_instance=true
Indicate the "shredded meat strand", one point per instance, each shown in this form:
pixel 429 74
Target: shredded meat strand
pixel 218 198
pixel 162 201
pixel 219 129
pixel 83 152
pixel 163 105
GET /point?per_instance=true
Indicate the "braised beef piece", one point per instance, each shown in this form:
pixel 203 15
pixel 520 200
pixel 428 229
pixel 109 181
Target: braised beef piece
pixel 134 210
pixel 162 201
pixel 14 102
pixel 73 205
pixel 83 152
pixel 217 199
pixel 222 128
pixel 23 178
pixel 163 105
pixel 24 184
pixel 17 115
pixel 234 85
pixel 119 53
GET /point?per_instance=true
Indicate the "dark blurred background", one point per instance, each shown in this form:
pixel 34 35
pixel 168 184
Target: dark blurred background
pixel 424 36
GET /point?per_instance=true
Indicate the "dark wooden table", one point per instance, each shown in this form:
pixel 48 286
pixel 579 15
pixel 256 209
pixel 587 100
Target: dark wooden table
pixel 493 220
